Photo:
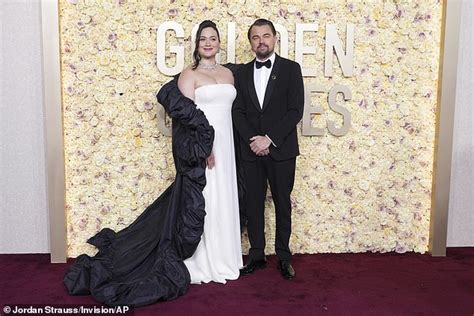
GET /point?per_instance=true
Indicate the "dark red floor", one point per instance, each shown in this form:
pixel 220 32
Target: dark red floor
pixel 326 284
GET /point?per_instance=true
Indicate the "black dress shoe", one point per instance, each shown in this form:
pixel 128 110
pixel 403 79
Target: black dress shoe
pixel 286 269
pixel 252 266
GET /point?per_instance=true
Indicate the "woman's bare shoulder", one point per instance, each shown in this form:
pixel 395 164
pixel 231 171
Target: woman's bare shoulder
pixel 187 72
pixel 225 70
pixel 188 76
pixel 227 74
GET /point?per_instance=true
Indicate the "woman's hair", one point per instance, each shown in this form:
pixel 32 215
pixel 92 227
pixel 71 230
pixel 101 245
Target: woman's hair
pixel 202 26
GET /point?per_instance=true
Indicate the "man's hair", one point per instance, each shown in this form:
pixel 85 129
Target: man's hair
pixel 261 22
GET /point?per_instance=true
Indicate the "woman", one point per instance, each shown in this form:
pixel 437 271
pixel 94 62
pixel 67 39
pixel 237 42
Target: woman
pixel 144 263
pixel 211 86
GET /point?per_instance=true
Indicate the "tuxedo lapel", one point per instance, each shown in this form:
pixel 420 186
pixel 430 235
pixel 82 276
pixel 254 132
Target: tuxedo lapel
pixel 251 85
pixel 271 82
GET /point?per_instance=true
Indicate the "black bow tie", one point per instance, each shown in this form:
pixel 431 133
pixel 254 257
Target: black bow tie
pixel 267 64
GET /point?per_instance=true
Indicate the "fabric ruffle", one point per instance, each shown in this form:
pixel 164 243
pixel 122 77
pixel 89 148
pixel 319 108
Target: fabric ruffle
pixel 143 263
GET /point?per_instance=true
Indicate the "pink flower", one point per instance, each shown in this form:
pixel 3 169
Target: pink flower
pixel 282 13
pixel 112 37
pixel 148 105
pixel 400 248
pixel 173 12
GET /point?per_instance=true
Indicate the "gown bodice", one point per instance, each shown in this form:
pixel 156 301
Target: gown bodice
pixel 220 95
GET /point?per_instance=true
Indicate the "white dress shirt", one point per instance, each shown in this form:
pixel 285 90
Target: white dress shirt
pixel 260 78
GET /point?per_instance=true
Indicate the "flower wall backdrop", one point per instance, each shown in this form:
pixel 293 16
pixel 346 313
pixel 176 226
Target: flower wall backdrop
pixel 369 190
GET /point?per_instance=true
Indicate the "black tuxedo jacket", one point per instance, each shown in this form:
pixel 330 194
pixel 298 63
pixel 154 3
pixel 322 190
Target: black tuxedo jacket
pixel 282 109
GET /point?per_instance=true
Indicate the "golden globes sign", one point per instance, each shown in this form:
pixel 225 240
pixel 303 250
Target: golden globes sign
pixel 333 44
pixel 369 190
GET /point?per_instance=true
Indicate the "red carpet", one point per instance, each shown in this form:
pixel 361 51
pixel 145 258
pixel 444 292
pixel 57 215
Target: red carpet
pixel 326 284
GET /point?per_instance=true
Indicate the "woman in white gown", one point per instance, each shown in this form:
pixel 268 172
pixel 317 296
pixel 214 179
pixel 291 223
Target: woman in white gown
pixel 191 232
pixel 218 256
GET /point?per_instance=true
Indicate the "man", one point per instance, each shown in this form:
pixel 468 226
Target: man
pixel 268 106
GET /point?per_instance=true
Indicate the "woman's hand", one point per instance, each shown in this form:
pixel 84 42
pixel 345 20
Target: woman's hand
pixel 211 162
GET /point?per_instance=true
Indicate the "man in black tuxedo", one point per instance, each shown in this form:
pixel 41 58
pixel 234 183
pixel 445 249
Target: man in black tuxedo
pixel 268 106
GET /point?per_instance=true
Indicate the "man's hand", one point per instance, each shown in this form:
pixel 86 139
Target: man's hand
pixel 259 144
pixel 264 152
pixel 211 162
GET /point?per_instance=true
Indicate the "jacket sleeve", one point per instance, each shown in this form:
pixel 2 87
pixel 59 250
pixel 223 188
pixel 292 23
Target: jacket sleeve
pixel 239 115
pixel 180 107
pixel 280 130
pixel 196 136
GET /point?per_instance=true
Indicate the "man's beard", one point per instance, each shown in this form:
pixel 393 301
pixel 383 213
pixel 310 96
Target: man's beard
pixel 263 55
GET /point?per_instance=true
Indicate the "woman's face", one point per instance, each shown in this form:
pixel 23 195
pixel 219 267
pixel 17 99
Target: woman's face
pixel 208 43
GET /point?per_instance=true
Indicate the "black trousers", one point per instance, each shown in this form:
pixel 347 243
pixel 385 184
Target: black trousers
pixel 281 177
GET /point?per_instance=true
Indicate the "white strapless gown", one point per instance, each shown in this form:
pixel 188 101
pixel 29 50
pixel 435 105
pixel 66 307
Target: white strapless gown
pixel 218 256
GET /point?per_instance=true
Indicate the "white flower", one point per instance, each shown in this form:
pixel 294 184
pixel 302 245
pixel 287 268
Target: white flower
pixel 110 77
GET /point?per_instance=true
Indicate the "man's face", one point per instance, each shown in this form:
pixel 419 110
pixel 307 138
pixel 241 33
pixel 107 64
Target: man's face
pixel 262 41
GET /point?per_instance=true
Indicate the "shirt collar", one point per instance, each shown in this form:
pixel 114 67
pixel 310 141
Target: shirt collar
pixel 271 58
